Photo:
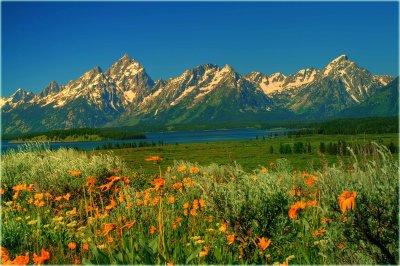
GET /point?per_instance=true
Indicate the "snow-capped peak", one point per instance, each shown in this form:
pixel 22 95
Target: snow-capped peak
pixel 340 58
pixel 340 62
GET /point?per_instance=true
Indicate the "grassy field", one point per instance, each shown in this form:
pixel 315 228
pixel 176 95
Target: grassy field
pixel 65 207
pixel 249 155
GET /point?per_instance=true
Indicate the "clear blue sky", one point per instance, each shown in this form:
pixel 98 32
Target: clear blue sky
pixel 47 41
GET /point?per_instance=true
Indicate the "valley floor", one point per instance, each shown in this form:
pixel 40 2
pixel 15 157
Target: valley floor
pixel 250 154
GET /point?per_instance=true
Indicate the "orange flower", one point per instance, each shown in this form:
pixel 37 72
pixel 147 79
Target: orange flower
pixel 58 198
pixel 178 219
pixel 271 164
pixel 326 220
pixel 186 205
pixel 194 170
pixel 111 205
pixel 231 239
pixel 67 196
pixel 181 168
pixel 114 178
pixel 185 212
pixel 294 207
pixel 110 239
pixel 155 201
pixel 171 199
pixel 195 204
pixel 202 203
pixel 5 256
pixel 222 229
pixel 106 187
pixel 158 183
pixel 312 203
pixel 85 246
pixel 38 196
pixel 154 159
pixel 204 253
pixel 346 200
pixel 71 245
pixel 319 232
pixel 90 181
pixel 40 259
pixel 19 187
pixel 263 243
pixel 21 260
pixel 128 225
pixel 121 197
pixel 74 173
pixel 108 227
pixel 264 170
pixel 193 212
pixel 30 187
pixel 152 229
pixel 309 181
pixel 170 263
pixel 178 186
pixel 340 246
pixel 2 191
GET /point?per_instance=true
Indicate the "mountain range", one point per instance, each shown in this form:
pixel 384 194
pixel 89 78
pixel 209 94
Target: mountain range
pixel 125 95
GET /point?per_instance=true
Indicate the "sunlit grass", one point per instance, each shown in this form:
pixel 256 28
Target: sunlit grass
pixel 63 207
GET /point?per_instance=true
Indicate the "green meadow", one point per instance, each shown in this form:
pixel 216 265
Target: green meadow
pixel 251 154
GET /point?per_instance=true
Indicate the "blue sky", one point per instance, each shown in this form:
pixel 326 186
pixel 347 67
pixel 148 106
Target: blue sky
pixel 46 41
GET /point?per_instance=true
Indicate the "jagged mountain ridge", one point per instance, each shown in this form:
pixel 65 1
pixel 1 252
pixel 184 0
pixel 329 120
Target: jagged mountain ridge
pixel 126 95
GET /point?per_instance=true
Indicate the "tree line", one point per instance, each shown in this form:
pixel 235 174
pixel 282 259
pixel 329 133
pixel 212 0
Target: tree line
pixel 59 135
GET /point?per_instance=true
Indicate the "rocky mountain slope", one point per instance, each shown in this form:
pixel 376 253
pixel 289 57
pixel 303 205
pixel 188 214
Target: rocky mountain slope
pixel 126 95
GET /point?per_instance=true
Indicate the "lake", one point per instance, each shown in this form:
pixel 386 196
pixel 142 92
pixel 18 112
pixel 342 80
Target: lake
pixel 165 137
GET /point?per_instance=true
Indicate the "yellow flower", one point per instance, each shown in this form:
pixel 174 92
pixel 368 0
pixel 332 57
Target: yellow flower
pixel 222 229
pixel 32 222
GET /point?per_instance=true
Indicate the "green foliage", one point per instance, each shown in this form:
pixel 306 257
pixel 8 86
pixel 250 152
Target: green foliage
pixel 76 134
pixel 252 204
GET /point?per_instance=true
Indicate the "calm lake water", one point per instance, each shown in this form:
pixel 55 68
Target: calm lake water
pixel 166 137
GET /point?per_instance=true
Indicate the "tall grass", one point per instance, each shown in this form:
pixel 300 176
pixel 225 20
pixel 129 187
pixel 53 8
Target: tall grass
pixel 192 214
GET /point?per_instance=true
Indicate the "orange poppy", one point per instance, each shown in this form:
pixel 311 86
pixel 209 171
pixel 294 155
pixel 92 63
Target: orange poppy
pixel 40 259
pixel 346 200
pixel 154 159
pixel 21 260
pixel 85 246
pixel 319 232
pixel 204 253
pixel 129 225
pixel 90 181
pixel 263 243
pixel 171 199
pixel 312 203
pixel 193 212
pixel 67 196
pixel 194 170
pixel 71 245
pixel 152 229
pixel 74 173
pixel 108 227
pixel 202 203
pixel 159 183
pixel 181 168
pixel 231 239
pixel 111 205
